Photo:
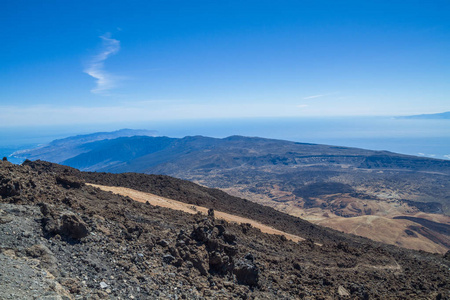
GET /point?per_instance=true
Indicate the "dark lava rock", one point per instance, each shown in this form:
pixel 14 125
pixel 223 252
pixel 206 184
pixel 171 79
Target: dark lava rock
pixel 200 258
pixel 246 271
pixel 9 188
pixel 68 225
pixel 69 181
pixel 202 233
pixel 297 266
pixel 229 238
pixel 447 255
pixel 73 227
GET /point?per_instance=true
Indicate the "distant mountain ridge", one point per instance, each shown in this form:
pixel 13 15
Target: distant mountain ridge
pixel 62 149
pixel 329 185
pixel 440 116
pixel 165 155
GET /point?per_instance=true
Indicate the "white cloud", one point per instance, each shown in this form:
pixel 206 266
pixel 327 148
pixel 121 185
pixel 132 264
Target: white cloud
pixel 320 96
pixel 447 156
pixel 302 106
pixel 312 97
pixel 104 80
pixel 428 155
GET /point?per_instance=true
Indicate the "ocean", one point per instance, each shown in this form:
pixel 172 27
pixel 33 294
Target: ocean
pixel 429 138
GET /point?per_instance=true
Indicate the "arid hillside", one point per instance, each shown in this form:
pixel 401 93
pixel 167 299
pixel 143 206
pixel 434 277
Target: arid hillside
pixel 353 190
pixel 63 238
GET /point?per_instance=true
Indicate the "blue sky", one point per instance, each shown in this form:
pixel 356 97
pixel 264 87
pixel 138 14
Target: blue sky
pixel 74 62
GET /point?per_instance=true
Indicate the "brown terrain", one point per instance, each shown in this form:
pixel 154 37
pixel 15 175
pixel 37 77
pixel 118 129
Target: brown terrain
pixel 397 199
pixel 61 238
pixel 388 228
pixel 192 209
pixel 383 220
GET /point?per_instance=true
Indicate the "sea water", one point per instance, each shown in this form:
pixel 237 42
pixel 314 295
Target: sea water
pixel 430 138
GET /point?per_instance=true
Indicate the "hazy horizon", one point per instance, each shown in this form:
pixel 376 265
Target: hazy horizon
pixel 428 138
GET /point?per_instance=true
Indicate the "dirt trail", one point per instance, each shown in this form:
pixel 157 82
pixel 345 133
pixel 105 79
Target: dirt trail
pixel 192 209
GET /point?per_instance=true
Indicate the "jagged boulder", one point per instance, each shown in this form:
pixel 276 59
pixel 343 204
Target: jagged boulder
pixel 246 271
pixel 73 227
pixel 9 188
pixel 202 232
pixel 219 262
pixel 65 224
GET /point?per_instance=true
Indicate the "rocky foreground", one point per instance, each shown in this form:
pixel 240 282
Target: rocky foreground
pixel 63 239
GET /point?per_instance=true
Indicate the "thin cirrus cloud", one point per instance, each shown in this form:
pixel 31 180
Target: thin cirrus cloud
pixel 320 96
pixel 105 81
pixel 315 96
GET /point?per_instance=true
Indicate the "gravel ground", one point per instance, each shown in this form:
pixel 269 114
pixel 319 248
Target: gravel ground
pixel 21 276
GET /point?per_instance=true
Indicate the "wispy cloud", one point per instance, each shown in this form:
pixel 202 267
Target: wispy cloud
pixel 105 81
pixel 428 155
pixel 315 96
pixel 320 96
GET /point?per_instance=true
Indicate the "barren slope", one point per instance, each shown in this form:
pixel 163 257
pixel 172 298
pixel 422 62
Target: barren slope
pixel 339 187
pixel 192 209
pixel 100 245
pixel 388 220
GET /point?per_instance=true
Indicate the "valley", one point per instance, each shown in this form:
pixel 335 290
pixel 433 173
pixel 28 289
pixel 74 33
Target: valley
pixel 356 191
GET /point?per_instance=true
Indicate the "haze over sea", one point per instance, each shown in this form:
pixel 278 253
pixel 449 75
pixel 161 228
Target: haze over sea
pixel 429 138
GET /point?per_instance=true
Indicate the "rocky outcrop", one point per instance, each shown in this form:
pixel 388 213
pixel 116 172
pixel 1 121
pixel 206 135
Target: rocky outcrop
pixel 64 224
pixel 246 270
